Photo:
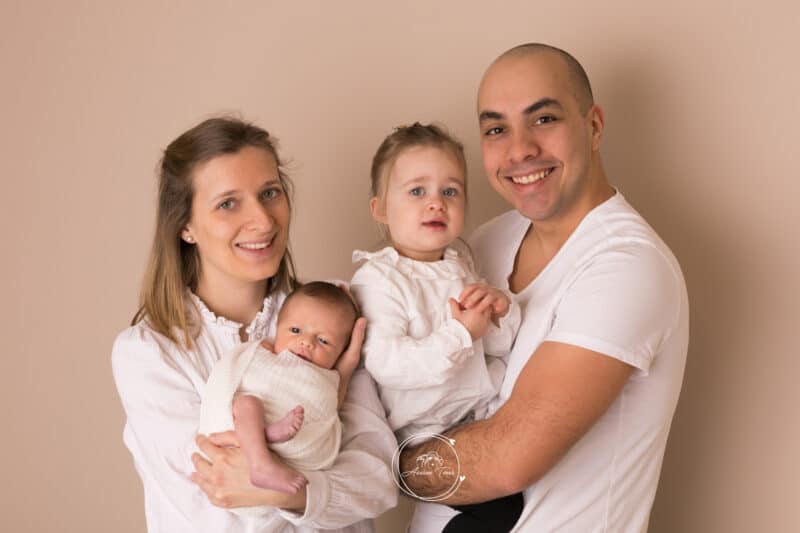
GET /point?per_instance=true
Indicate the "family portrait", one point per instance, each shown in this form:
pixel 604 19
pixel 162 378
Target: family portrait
pixel 401 268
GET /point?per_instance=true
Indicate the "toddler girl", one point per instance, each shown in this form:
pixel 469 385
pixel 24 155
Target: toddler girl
pixel 430 318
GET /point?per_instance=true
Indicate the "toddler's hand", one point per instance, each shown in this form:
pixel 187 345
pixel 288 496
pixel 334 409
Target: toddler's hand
pixel 476 321
pixel 481 296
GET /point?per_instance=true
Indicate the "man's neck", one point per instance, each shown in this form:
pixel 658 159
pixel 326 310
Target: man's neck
pixel 553 233
pixel 546 237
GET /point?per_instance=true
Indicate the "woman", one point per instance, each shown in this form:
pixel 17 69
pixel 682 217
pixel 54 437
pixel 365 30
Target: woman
pixel 219 271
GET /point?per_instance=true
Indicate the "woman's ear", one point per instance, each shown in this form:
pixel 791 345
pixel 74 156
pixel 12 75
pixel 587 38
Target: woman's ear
pixel 186 235
pixel 377 210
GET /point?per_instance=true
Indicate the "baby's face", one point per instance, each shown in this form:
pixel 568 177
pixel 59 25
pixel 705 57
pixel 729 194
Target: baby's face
pixel 312 329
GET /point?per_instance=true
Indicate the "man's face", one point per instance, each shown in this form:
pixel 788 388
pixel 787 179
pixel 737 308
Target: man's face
pixel 537 144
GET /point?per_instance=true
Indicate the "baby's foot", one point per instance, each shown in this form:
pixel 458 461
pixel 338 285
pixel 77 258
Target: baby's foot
pixel 287 427
pixel 274 475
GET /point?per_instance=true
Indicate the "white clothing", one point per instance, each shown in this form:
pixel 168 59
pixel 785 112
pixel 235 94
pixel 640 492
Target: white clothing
pixel 430 373
pixel 615 288
pixel 160 384
pixel 281 381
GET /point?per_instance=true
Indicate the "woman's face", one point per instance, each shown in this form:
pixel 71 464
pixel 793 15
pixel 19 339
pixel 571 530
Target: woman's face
pixel 239 220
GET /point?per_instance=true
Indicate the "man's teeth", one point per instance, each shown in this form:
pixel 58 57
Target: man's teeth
pixel 254 245
pixel 530 178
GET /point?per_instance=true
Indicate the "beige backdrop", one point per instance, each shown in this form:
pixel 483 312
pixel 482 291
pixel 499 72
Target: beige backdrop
pixel 702 128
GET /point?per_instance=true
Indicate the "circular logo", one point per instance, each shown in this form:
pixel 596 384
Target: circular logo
pixel 440 468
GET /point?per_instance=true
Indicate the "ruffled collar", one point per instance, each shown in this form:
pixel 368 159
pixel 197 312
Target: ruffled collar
pixel 449 267
pixel 258 327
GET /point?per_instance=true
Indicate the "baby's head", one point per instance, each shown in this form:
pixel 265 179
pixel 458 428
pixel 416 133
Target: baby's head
pixel 419 190
pixel 315 323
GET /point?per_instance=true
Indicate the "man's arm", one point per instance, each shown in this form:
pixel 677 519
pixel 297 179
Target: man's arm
pixel 560 393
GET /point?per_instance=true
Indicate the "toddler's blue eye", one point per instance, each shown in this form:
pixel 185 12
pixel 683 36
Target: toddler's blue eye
pixel 417 191
pixel 450 191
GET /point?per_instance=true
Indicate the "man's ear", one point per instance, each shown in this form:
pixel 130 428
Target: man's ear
pixel 597 117
pixel 376 209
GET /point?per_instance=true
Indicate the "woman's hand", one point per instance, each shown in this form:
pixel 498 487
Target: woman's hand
pixel 226 478
pixel 348 361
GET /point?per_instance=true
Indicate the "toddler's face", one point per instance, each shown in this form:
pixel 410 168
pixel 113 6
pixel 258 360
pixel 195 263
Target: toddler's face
pixel 424 202
pixel 312 329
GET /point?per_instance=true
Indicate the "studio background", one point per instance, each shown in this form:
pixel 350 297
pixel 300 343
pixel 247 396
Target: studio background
pixel 702 119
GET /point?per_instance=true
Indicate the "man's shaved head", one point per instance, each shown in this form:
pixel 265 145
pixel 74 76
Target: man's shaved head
pixel 579 81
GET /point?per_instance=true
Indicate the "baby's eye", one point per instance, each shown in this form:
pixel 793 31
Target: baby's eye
pixel 417 191
pixel 450 191
pixel 323 341
pixel 294 329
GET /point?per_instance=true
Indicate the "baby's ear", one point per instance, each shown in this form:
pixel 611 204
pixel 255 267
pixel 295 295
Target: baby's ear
pixel 377 209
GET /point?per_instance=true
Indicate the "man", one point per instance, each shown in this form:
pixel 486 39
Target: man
pixel 583 414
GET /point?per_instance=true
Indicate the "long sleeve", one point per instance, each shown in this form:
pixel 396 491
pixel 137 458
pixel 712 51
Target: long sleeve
pixel 160 385
pixel 162 405
pixel 392 356
pixel 359 484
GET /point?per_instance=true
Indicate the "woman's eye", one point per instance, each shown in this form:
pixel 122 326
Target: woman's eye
pixel 294 330
pixel 450 191
pixel 417 191
pixel 271 193
pixel 227 204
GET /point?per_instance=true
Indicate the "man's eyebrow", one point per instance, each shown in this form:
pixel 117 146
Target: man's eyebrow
pixel 533 108
pixel 539 104
pixel 489 115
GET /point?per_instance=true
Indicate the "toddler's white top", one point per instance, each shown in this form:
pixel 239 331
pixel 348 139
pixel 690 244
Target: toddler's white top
pixel 430 373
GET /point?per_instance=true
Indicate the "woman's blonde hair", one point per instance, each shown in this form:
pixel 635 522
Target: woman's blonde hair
pixel 174 264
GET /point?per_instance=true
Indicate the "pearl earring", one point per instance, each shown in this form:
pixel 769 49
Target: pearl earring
pixel 189 239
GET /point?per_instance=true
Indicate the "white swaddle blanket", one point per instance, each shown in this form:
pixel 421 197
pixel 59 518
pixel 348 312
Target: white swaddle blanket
pixel 282 382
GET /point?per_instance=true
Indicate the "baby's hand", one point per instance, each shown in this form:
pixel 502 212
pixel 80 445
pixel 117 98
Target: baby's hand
pixel 476 321
pixel 481 296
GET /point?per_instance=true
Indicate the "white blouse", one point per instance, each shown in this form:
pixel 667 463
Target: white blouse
pixel 160 386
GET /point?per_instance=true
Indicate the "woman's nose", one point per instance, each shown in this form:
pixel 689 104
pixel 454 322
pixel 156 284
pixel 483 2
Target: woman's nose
pixel 260 218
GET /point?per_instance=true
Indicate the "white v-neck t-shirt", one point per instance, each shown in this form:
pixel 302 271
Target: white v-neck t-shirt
pixel 614 288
